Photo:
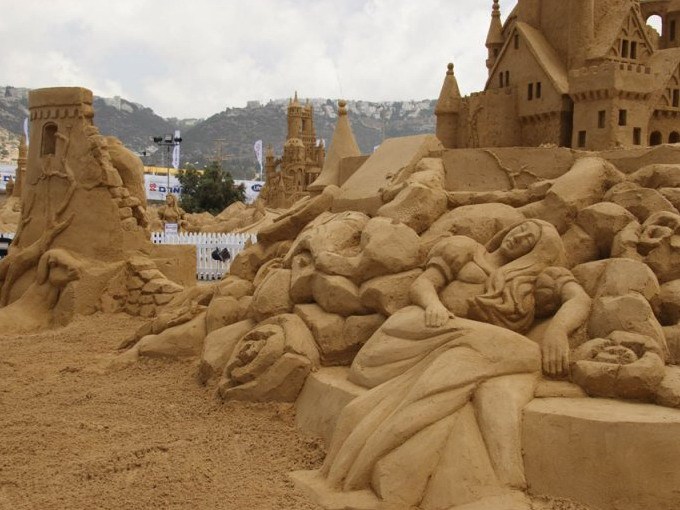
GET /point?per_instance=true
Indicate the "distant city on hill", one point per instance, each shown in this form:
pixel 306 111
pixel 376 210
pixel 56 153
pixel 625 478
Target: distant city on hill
pixel 230 134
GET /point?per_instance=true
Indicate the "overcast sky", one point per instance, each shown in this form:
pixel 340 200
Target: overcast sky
pixel 194 58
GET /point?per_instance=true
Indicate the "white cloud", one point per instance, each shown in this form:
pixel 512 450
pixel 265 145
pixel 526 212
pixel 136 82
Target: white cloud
pixel 195 58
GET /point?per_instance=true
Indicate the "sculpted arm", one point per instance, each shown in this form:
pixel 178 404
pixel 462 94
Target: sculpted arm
pixel 425 293
pixel 571 315
pixel 444 262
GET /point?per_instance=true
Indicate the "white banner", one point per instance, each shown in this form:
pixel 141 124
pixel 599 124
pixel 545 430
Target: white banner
pixel 175 157
pixel 258 154
pixel 7 171
pixel 157 187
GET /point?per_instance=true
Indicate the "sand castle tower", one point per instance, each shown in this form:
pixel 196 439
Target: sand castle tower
pixel 448 110
pixel 343 145
pixel 83 217
pixel 494 39
pixel 71 182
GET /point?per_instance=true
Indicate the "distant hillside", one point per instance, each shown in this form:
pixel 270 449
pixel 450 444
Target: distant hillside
pixel 234 130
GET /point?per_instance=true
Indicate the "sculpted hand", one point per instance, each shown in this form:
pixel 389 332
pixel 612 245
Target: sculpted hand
pixel 555 347
pixel 436 315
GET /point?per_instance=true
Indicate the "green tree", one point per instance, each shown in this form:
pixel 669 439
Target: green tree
pixel 209 191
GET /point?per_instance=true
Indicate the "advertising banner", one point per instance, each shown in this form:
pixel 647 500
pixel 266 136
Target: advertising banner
pixel 253 189
pixel 157 187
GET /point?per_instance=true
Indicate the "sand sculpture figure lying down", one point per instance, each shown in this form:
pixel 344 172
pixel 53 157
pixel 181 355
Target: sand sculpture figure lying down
pixel 440 426
pixel 35 309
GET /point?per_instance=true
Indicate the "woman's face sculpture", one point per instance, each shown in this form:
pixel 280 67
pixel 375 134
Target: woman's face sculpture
pixel 170 200
pixel 520 240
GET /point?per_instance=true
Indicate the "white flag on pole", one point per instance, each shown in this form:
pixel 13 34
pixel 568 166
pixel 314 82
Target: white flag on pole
pixel 175 157
pixel 258 153
pixel 26 130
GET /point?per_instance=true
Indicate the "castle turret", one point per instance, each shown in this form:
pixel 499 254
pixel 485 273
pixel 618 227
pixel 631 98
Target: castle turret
pixel 448 111
pixel 581 31
pixel 269 164
pixel 494 39
pixel 343 145
pixel 295 114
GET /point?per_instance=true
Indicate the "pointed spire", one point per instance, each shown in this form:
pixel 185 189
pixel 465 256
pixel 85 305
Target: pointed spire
pixel 449 98
pixel 343 145
pixel 495 35
pixel 295 102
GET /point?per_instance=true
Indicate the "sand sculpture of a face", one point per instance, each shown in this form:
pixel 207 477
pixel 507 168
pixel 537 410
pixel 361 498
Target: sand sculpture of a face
pixel 520 240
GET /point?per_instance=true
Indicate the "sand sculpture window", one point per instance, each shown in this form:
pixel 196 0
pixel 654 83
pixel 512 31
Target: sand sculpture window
pixel 676 98
pixel 601 119
pixel 581 139
pixel 530 91
pixel 671 30
pixel 637 136
pixel 674 137
pixel 655 138
pixel 507 78
pixel 624 48
pixel 623 117
pixel 656 22
pixel 49 140
pixel 633 50
pixel 539 88
pixel 516 41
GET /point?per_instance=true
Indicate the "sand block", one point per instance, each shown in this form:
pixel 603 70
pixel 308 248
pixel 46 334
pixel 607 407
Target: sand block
pixel 362 191
pixel 610 454
pixel 497 168
pixel 314 486
pixel 324 396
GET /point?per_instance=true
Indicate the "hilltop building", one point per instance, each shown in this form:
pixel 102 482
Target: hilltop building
pixel 587 74
pixel 288 177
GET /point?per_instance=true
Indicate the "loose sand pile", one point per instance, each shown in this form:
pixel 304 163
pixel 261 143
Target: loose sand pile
pixel 146 436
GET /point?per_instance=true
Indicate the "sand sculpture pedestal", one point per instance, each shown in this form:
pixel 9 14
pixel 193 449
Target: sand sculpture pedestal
pixel 606 453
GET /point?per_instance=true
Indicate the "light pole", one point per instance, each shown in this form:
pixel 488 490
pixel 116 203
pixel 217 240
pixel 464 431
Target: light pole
pixel 168 141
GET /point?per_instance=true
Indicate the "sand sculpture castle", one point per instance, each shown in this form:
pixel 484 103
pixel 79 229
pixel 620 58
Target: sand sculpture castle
pixel 587 74
pixel 288 178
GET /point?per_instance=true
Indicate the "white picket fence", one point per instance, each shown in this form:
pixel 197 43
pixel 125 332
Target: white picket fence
pixel 206 267
pixel 4 244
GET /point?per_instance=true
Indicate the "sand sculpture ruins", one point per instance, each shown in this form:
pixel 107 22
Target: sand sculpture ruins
pixel 82 242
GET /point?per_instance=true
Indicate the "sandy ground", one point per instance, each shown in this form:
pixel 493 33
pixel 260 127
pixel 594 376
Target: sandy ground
pixel 144 437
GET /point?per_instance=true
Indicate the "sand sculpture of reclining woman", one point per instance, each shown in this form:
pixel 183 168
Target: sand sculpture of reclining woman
pixel 440 426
